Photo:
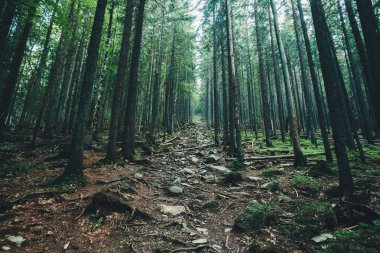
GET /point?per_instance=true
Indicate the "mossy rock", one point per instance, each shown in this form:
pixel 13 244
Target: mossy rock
pixel 272 172
pixel 317 216
pixel 233 178
pixel 253 218
pixel 306 183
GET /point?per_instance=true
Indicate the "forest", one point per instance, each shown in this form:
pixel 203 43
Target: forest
pixel 190 126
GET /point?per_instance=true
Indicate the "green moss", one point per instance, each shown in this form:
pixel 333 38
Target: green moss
pixel 274 185
pixel 17 165
pixel 317 216
pixel 305 182
pixel 363 239
pixel 271 173
pixel 253 218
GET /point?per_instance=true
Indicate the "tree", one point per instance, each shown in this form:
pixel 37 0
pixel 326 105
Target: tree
pixel 74 168
pixel 129 130
pixel 331 83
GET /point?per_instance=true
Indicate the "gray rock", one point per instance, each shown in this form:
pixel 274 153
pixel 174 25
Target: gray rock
pixel 139 175
pixel 323 237
pixel 172 210
pixel 212 159
pixel 220 168
pixel 175 190
pixel 212 204
pixel 17 240
pixel 209 178
pixel 188 171
pixel 177 181
pixel 255 179
pixel 200 241
pixel 5 248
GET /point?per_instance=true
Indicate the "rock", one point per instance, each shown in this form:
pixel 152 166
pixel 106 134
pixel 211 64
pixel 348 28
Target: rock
pixel 253 218
pixel 172 210
pixel 233 178
pixel 218 247
pixel 188 171
pixel 66 246
pixel 139 175
pixel 264 186
pixel 202 230
pixel 175 190
pixel 209 178
pixel 177 181
pixel 5 248
pixel 17 240
pixel 212 204
pixel 227 230
pixel 255 179
pixel 212 159
pixel 200 241
pixel 220 168
pixel 194 160
pixel 323 237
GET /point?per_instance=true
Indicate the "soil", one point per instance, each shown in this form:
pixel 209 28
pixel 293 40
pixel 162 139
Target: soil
pixel 55 218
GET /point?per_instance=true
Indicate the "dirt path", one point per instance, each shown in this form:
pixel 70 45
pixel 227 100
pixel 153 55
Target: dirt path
pixel 51 220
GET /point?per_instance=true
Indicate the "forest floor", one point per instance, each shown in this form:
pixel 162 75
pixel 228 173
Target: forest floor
pixel 182 198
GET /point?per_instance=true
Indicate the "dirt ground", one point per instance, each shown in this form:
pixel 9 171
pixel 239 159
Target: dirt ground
pixel 53 218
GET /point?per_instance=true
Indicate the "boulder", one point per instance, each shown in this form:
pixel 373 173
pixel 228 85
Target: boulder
pixel 253 218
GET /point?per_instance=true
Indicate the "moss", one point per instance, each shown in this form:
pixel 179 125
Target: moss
pixel 274 185
pixel 305 182
pixel 253 218
pixel 271 173
pixel 17 165
pixel 317 216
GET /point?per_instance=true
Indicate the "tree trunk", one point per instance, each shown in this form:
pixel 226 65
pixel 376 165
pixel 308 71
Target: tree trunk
pixel 300 159
pixel 331 82
pixel 371 34
pixel 119 83
pixel 317 90
pixel 216 92
pixel 129 131
pixel 234 99
pixel 11 79
pixel 74 168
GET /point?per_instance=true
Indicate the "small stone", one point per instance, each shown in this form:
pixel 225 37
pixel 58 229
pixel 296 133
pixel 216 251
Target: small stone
pixel 194 160
pixel 200 241
pixel 5 248
pixel 256 179
pixel 264 186
pixel 212 204
pixel 218 247
pixel 177 181
pixel 139 175
pixel 322 237
pixel 173 210
pixel 227 230
pixel 212 159
pixel 202 230
pixel 18 240
pixel 220 168
pixel 188 171
pixel 50 233
pixel 209 178
pixel 176 190
pixel 66 246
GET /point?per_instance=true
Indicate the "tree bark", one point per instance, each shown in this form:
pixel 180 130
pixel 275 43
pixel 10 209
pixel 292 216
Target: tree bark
pixel 74 168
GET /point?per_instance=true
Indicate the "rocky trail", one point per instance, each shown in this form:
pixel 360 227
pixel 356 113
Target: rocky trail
pixel 186 197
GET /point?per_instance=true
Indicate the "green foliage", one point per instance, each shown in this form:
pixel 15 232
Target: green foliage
pixel 274 185
pixel 253 218
pixel 271 173
pixel 305 182
pixel 363 239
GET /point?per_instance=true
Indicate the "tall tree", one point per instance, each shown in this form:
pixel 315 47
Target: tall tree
pixel 119 83
pixel 129 130
pixel 11 79
pixel 299 158
pixel 371 34
pixel 331 82
pixel 74 168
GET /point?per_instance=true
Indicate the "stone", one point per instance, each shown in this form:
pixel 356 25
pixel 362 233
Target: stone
pixel 253 218
pixel 177 181
pixel 232 178
pixel 5 248
pixel 188 171
pixel 209 178
pixel 212 204
pixel 200 241
pixel 264 186
pixel 139 175
pixel 255 179
pixel 202 230
pixel 323 237
pixel 17 240
pixel 194 160
pixel 172 210
pixel 175 190
pixel 220 168
pixel 212 159
pixel 227 230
